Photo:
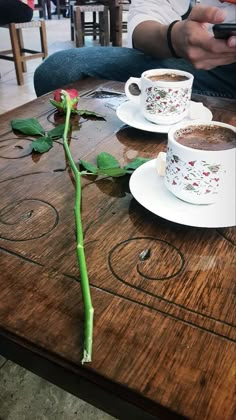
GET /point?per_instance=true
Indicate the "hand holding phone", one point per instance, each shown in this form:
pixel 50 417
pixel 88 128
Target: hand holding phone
pixel 224 30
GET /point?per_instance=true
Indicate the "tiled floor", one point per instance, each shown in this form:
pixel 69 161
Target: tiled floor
pixel 24 396
pixel 58 36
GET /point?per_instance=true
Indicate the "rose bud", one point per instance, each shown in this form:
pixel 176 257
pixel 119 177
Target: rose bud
pixel 59 98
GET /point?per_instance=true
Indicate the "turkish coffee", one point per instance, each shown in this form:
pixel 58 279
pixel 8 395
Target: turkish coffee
pixel 206 137
pixel 168 77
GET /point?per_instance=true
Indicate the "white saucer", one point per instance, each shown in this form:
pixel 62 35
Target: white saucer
pixel 130 114
pixel 149 190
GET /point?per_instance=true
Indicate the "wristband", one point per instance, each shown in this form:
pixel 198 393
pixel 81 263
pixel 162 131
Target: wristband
pixel 168 38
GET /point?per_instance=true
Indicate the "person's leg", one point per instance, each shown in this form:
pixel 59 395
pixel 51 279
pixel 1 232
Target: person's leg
pixel 14 11
pixel 114 63
pixel 63 67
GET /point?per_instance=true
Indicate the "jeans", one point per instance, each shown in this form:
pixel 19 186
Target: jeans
pixel 118 63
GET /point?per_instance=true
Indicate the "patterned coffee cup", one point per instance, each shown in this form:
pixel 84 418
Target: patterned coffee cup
pixel 201 176
pixel 164 94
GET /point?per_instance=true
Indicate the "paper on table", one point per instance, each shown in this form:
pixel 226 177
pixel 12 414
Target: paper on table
pixel 115 102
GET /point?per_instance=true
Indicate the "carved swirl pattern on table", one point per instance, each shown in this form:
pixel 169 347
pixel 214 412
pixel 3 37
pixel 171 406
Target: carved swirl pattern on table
pixel 27 219
pixel 160 261
pixel 15 148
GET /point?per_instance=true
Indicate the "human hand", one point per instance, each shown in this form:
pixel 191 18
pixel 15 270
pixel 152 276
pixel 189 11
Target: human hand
pixel 192 41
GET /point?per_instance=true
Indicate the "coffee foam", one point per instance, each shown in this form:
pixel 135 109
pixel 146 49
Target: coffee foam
pixel 206 137
pixel 192 128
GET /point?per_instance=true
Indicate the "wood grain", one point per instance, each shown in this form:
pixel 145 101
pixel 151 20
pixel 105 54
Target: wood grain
pixel 164 334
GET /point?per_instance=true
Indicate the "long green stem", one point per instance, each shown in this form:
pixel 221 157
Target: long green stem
pixel 88 308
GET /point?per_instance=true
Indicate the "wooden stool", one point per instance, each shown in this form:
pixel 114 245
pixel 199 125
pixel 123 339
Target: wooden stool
pixel 117 23
pixel 94 28
pixel 17 53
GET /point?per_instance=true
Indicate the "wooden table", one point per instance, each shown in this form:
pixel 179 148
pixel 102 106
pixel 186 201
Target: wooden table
pixel 164 339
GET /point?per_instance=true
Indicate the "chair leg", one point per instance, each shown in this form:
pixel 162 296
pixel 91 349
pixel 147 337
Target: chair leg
pixel 21 46
pixel 105 26
pixel 72 31
pixel 116 25
pixel 16 53
pixel 44 9
pixel 112 23
pixel 119 17
pixel 49 11
pixel 79 40
pixel 83 26
pixel 94 26
pixel 43 38
pixel 58 9
pixel 101 28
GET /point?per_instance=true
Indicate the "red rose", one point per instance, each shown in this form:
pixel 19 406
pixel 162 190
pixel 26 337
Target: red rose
pixel 73 93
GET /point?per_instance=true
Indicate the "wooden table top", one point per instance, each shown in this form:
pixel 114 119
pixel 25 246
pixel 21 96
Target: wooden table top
pixel 164 336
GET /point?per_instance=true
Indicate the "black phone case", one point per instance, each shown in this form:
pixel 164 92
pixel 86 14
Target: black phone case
pixel 224 30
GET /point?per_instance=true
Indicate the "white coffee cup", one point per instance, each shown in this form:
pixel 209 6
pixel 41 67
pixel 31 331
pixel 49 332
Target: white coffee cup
pixel 195 175
pixel 162 101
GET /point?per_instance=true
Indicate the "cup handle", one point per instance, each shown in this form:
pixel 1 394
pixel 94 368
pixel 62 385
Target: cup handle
pixel 161 163
pixel 133 81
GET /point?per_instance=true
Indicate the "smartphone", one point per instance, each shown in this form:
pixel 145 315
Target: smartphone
pixel 224 30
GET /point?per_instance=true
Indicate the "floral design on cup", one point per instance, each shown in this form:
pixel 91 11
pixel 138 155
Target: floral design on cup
pixel 199 177
pixel 167 101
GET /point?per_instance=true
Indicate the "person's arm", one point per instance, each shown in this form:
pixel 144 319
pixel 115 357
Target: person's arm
pixel 155 11
pixel 190 39
pixel 151 38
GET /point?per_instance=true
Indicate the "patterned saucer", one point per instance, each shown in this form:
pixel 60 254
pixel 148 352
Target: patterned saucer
pixel 129 113
pixel 148 188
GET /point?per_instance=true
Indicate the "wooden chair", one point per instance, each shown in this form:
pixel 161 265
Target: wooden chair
pixel 72 4
pixel 95 28
pixel 17 53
